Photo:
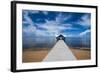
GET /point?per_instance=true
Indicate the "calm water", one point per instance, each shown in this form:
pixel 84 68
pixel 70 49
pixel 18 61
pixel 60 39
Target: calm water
pixel 49 42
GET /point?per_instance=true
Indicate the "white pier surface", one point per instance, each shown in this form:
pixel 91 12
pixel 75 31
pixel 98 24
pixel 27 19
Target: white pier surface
pixel 60 52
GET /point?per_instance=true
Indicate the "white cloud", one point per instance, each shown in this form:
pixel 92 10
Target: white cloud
pixel 85 20
pixel 85 32
pixel 31 27
pixel 67 25
pixel 42 33
pixel 60 18
pixel 66 35
pixel 51 22
pixel 25 22
pixel 53 27
pixel 45 12
pixel 34 11
pixel 28 19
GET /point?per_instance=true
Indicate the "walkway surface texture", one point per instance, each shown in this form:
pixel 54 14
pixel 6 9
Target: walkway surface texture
pixel 60 52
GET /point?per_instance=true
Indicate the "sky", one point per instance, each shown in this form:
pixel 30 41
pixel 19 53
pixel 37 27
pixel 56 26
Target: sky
pixel 50 23
pixel 39 27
